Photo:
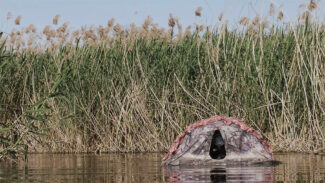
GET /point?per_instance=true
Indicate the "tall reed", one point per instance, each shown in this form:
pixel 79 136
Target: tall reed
pixel 112 89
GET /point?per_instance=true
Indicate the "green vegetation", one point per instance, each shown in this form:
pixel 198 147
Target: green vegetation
pixel 134 90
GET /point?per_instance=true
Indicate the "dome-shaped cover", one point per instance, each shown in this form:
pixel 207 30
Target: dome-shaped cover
pixel 218 139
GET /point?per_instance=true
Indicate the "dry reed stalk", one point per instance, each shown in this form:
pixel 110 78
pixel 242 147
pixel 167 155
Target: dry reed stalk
pixel 115 125
pixel 179 28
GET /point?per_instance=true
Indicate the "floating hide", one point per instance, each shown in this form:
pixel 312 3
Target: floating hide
pixel 218 140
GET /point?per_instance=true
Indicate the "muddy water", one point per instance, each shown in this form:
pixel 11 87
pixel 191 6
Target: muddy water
pixel 146 167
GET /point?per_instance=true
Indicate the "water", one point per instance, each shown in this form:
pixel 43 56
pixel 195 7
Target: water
pixel 145 167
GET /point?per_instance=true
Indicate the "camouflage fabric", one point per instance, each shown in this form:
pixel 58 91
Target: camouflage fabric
pixel 218 140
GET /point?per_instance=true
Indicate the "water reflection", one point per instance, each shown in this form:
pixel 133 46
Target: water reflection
pixel 145 167
pixel 84 168
pixel 220 173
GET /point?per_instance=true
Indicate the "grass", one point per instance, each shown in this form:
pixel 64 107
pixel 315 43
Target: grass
pixel 111 89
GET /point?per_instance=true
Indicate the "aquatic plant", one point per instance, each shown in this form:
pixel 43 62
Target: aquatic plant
pixel 112 88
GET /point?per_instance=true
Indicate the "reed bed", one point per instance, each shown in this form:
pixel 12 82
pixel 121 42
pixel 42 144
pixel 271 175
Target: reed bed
pixel 134 89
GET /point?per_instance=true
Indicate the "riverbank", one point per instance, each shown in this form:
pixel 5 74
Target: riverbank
pixel 110 89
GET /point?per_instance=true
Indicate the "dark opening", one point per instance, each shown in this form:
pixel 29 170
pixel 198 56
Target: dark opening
pixel 217 148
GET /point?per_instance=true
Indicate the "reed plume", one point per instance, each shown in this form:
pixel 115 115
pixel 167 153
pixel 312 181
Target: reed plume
pixel 30 41
pixel 304 15
pixel 49 32
pixel 312 5
pixel 302 6
pixel 199 28
pixel 9 15
pixel 271 9
pixel 244 21
pixel 101 31
pixel 179 26
pixel 63 28
pixel 56 19
pixel 220 16
pixel 147 23
pixel 90 34
pixel 110 23
pixel 171 21
pixel 117 28
pixel 17 20
pixel 75 33
pixel 252 29
pixel 265 23
pixel 198 11
pixel 29 28
pixel 256 20
pixel 280 15
pixel 188 31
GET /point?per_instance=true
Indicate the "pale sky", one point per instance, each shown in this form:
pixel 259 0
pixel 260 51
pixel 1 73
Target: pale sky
pixel 98 12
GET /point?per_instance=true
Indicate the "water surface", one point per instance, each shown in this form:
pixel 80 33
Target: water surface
pixel 145 167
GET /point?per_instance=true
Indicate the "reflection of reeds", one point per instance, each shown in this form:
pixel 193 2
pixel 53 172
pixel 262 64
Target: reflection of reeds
pixel 111 88
pixel 300 168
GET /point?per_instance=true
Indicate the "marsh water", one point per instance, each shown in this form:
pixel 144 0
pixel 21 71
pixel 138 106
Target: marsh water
pixel 145 167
